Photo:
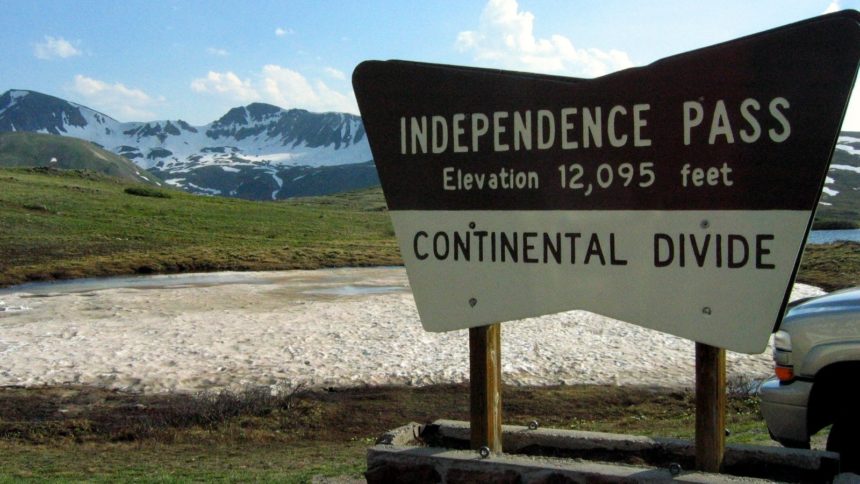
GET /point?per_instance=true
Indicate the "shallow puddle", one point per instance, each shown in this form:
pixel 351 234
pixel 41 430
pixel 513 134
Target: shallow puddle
pixel 351 290
pixel 325 282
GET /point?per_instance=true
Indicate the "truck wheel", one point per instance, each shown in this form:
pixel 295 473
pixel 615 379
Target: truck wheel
pixel 844 438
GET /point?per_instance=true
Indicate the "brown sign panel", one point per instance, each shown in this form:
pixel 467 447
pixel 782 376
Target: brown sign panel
pixel 676 196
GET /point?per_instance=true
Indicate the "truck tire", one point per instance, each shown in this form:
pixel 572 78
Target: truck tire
pixel 844 438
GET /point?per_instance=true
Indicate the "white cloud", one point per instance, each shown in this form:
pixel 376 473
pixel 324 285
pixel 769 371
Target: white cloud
pixel 833 7
pixel 338 101
pixel 217 52
pixel 280 32
pixel 228 84
pixel 277 85
pixel 116 99
pixel 505 38
pixel 286 87
pixel 335 74
pixel 52 48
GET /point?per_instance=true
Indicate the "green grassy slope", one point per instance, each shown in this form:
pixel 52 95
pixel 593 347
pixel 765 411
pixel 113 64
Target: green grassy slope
pixel 35 150
pixel 63 224
pixel 57 224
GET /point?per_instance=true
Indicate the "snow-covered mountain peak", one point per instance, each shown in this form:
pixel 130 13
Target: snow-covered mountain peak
pixel 14 96
pixel 252 114
pixel 158 129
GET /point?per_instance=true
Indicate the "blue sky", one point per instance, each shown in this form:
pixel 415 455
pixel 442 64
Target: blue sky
pixel 194 60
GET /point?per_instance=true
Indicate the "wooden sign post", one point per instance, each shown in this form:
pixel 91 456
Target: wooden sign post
pixel 485 377
pixel 710 407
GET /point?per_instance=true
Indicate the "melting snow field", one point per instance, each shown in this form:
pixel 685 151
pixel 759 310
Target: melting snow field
pixel 342 327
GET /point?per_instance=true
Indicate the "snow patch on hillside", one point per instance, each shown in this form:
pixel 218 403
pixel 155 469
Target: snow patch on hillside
pixel 204 190
pixel 855 169
pixel 849 149
pixel 280 183
pixel 14 97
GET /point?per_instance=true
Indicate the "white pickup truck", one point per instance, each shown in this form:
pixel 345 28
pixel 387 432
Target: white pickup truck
pixel 817 361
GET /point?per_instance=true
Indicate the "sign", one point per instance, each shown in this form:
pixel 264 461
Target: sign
pixel 676 196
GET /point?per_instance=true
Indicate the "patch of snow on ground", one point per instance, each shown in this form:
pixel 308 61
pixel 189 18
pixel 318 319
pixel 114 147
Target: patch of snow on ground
pixel 230 169
pixel 855 169
pixel 208 191
pixel 830 191
pixel 850 149
pixel 280 183
pixel 276 331
pixel 274 157
pixel 12 309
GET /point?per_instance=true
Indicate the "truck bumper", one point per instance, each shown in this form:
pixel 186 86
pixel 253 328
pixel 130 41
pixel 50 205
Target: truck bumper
pixel 784 407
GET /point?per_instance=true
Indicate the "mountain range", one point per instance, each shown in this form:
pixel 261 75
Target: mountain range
pixel 257 152
pixel 263 152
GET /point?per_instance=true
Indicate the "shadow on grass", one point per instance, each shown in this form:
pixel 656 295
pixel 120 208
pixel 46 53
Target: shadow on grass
pixel 94 414
pixel 89 414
